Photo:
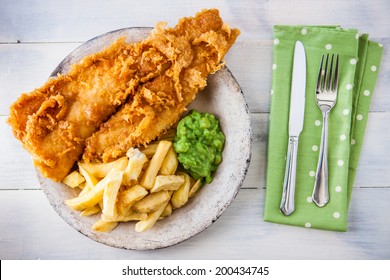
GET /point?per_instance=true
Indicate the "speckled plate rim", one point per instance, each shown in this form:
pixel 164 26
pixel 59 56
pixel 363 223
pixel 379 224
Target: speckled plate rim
pixel 207 206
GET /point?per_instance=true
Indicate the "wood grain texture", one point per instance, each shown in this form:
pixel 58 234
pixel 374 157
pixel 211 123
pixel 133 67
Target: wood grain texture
pixel 40 234
pixel 35 37
pixel 75 21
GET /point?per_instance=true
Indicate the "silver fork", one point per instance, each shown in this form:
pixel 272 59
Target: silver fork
pixel 326 97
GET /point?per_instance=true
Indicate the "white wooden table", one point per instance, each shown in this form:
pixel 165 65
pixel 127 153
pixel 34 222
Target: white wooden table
pixel 36 35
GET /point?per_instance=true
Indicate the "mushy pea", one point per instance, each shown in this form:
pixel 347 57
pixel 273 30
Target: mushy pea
pixel 199 143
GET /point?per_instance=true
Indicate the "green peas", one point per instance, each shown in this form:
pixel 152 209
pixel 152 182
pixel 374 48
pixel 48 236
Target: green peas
pixel 199 143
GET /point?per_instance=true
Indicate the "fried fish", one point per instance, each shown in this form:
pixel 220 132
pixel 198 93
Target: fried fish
pixel 159 103
pixel 151 82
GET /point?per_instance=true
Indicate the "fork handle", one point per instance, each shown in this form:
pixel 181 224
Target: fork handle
pixel 321 190
pixel 287 203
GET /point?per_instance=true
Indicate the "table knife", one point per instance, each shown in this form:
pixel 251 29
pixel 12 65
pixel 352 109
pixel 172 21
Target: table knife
pixel 297 111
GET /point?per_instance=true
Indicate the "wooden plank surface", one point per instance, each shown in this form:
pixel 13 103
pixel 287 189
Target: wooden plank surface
pixel 35 37
pixel 40 234
pixel 76 21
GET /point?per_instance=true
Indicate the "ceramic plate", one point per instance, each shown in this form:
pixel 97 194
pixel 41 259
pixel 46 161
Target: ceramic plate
pixel 222 97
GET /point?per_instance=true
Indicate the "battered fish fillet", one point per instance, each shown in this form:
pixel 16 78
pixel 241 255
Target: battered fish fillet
pixel 53 121
pixel 159 103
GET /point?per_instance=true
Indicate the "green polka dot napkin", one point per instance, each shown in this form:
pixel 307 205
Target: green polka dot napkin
pixel 359 66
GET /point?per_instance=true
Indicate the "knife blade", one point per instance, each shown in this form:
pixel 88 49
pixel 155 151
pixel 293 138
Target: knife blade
pixel 296 118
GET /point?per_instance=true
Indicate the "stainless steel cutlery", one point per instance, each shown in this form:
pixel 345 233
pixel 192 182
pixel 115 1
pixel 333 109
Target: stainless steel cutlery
pixel 297 112
pixel 326 97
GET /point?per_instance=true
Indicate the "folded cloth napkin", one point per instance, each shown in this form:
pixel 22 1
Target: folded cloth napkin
pixel 358 70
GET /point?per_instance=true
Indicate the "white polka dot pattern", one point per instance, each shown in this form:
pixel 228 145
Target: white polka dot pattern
pixel 347 115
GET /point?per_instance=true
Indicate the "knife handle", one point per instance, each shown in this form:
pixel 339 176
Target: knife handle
pixel 287 203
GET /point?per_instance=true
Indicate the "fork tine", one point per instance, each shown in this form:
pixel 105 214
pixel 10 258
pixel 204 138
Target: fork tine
pixel 320 74
pixel 336 74
pixel 324 74
pixel 330 80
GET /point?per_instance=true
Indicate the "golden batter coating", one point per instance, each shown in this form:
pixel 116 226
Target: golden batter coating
pixel 155 77
pixel 159 103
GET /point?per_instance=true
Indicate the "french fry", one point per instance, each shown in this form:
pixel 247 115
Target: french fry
pixel 131 216
pixel 74 179
pixel 170 163
pixel 84 190
pixel 100 170
pixel 151 219
pixel 132 195
pixel 150 150
pixel 103 226
pixel 125 212
pixel 91 211
pixel 151 202
pixel 121 209
pixel 167 211
pixel 167 183
pixel 169 135
pixel 151 171
pixel 180 197
pixel 110 194
pixel 100 203
pixel 82 185
pixel 195 188
pixel 88 198
pixel 133 188
pixel 134 166
pixel 90 179
pixel 95 195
